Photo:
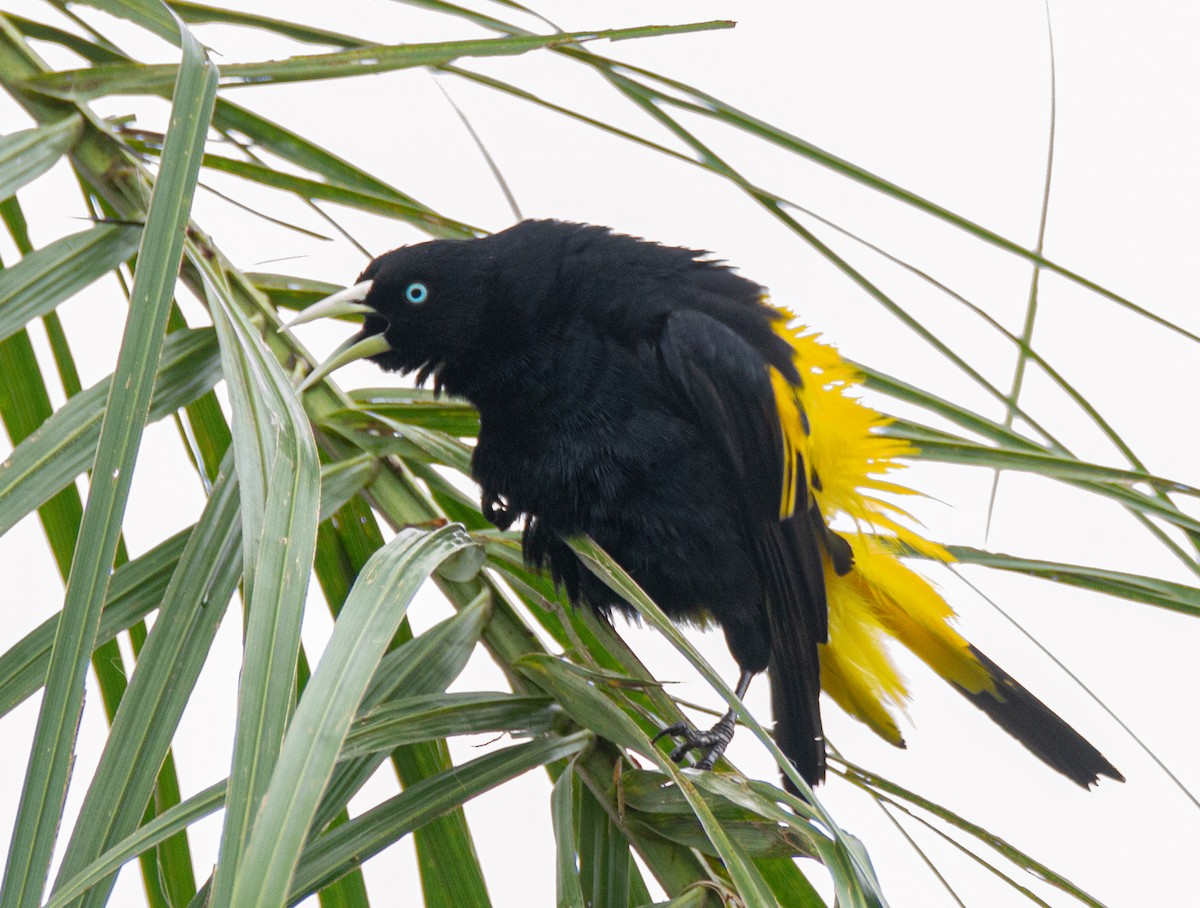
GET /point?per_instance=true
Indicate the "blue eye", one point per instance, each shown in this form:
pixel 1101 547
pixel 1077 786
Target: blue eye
pixel 416 293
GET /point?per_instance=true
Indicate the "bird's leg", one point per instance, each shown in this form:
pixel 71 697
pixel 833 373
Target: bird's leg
pixel 715 740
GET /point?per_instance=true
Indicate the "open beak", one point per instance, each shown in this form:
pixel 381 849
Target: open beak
pixel 344 302
pixel 358 346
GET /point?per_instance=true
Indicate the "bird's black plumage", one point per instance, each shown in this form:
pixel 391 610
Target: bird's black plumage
pixel 648 397
pixel 623 393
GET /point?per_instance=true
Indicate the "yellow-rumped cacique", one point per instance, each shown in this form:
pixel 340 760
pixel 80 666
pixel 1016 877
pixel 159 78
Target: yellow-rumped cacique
pixel 653 399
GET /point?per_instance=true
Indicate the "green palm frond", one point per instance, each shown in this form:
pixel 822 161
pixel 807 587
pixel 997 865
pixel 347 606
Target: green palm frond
pixel 367 491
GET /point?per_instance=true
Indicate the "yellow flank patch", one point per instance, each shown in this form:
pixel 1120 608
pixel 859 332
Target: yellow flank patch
pixel 880 597
pixel 795 440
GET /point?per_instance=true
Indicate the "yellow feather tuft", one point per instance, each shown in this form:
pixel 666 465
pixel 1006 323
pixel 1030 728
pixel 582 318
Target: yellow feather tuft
pixel 855 668
pixel 838 441
pixel 913 612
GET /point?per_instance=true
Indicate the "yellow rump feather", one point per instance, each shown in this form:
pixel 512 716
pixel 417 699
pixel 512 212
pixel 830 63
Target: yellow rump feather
pixel 836 440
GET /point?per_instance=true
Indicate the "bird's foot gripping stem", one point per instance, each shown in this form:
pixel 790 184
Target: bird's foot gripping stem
pixel 715 740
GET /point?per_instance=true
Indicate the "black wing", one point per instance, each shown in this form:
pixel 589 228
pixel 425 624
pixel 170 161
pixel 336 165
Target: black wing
pixel 724 381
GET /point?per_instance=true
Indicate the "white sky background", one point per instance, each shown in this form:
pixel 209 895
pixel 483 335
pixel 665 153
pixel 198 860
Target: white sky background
pixel 949 100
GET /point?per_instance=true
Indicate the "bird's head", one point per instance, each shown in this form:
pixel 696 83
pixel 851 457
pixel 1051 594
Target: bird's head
pixel 424 306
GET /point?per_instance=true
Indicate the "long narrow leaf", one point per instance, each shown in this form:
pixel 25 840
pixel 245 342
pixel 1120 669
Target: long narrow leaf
pixel 170 823
pixel 859 880
pixel 429 717
pixel 65 444
pixel 1135 587
pixel 562 813
pixel 352 198
pixel 170 661
pixel 43 279
pixel 198 12
pixel 158 262
pixel 278 469
pixel 149 14
pixel 947 449
pixel 135 590
pixel 592 709
pixel 339 850
pixel 120 78
pixel 423 666
pixel 28 153
pixel 364 627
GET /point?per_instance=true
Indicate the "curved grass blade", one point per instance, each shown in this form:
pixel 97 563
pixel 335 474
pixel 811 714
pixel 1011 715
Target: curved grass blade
pixel 939 446
pixel 1178 597
pixel 583 700
pixel 343 479
pixel 41 31
pixel 363 630
pixel 284 291
pixel 429 663
pixel 446 856
pixel 27 154
pixel 169 823
pixel 410 442
pixel 170 661
pixel 426 718
pixel 422 666
pixel 194 13
pixel 851 874
pixel 329 856
pixel 310 190
pixel 1031 305
pixel 135 590
pixel 158 263
pixel 562 813
pixel 279 475
pixel 411 406
pixel 875 784
pixel 291 146
pixel 150 15
pixel 65 444
pixel 121 78
pixel 43 279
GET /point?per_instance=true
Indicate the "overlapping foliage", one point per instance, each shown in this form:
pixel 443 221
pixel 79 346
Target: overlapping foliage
pixel 297 483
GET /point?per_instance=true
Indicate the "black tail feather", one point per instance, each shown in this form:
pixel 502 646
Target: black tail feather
pixel 1035 725
pixel 796 732
pixel 797 620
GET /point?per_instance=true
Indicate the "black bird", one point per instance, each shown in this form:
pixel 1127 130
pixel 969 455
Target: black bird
pixel 650 397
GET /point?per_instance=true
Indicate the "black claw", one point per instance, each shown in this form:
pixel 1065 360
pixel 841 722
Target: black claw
pixel 672 731
pixel 714 741
pixel 497 511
